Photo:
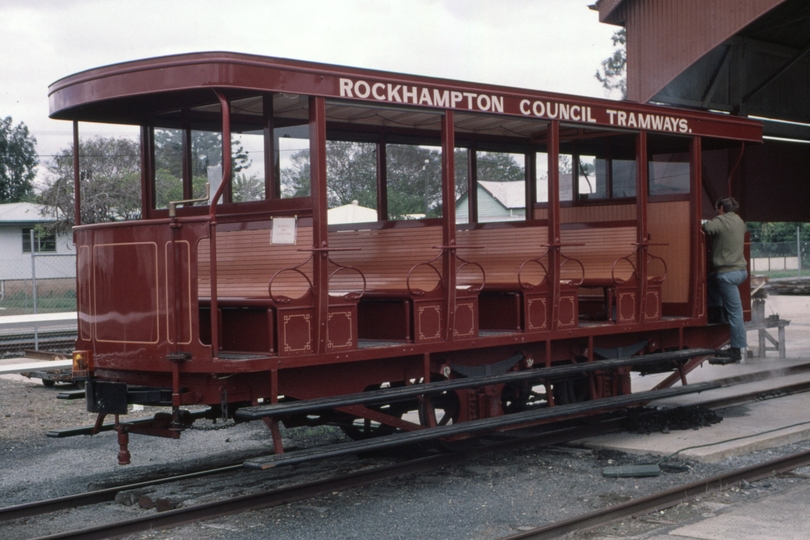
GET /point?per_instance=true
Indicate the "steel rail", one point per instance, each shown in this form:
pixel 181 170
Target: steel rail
pixel 285 495
pixel 37 508
pixel 666 499
pixel 544 439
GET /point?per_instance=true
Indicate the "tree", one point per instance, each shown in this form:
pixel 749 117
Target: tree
pixel 413 174
pixel 18 162
pixel 613 74
pixel 110 182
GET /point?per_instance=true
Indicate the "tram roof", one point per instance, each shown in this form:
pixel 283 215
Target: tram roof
pixel 156 90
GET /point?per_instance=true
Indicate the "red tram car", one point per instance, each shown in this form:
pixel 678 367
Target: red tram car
pixel 590 261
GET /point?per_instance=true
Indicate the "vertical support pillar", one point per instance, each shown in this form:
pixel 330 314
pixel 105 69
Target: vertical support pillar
pixel 554 235
pixel 320 232
pixel 77 180
pixel 472 185
pixel 449 220
pixel 697 270
pixel 272 185
pixel 641 222
pixel 382 179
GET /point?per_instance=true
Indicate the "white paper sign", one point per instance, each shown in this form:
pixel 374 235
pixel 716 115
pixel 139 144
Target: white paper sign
pixel 283 230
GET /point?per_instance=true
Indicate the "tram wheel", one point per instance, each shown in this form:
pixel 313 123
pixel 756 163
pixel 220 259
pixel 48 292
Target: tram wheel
pixel 359 429
pixel 571 391
pixel 48 383
pixel 515 397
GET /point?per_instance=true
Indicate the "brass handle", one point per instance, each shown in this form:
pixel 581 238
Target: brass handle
pixel 173 204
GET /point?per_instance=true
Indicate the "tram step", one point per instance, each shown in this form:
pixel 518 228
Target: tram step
pixel 473 427
pixel 393 395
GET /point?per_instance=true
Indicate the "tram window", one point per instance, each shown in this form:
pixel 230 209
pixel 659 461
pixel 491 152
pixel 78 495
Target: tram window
pixel 168 166
pixel 351 181
pixel 592 178
pixel 461 157
pixel 624 178
pixel 566 183
pixel 248 167
pixel 414 181
pixel 668 165
pixel 292 147
pixel 206 161
pixel 541 188
pixel 501 182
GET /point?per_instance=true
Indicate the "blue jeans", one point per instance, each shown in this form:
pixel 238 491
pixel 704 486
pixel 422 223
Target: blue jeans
pixel 723 292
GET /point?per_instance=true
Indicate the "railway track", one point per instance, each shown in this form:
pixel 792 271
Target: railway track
pixel 274 497
pixel 667 498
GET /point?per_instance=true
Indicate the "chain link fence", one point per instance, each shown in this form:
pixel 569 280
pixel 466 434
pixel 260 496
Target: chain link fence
pixel 37 303
pixel 781 259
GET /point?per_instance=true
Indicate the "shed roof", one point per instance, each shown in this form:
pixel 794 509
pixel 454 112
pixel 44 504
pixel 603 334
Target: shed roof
pixel 510 194
pixel 22 212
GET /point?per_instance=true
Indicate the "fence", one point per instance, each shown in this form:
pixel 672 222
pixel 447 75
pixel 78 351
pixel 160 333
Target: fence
pixel 31 287
pixel 784 258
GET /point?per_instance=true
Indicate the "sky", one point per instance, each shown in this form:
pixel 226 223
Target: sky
pixel 552 45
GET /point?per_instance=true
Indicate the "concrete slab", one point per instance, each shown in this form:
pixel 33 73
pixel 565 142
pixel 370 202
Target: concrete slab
pixel 782 516
pixel 762 425
pixel 35 366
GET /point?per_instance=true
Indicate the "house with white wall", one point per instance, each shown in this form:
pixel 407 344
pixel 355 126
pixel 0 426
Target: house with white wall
pixel 54 254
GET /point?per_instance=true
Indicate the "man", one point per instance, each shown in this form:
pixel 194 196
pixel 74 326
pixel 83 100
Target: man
pixel 729 270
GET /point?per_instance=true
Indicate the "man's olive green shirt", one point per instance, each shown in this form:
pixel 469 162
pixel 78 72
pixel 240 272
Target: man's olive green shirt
pixel 728 232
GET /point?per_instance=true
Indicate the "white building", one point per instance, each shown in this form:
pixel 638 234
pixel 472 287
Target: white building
pixel 54 255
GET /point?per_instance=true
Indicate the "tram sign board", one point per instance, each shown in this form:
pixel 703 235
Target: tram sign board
pixel 82 96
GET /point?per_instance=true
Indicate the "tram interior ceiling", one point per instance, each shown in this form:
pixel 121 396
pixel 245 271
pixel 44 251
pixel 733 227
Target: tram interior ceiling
pixel 509 229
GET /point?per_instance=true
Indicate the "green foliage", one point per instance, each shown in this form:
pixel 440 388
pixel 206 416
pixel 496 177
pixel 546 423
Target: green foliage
pixel 613 73
pixel 18 162
pixel 413 174
pixel 110 182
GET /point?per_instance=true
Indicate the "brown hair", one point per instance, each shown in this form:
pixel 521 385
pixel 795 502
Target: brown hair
pixel 728 204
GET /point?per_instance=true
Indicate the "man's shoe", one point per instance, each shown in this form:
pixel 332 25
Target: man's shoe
pixel 726 356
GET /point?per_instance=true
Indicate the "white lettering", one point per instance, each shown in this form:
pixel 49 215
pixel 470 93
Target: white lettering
pixel 497 104
pixel 683 125
pixel 424 99
pixel 441 98
pixel 364 93
pixel 393 93
pixel 556 109
pixel 378 91
pixel 538 108
pixel 469 96
pixel 409 93
pixel 564 110
pixel 456 97
pixel 346 88
pixel 575 110
pixel 483 102
pixel 668 124
pixel 631 120
pixel 524 107
pixel 589 118
pixel 622 118
pixel 612 114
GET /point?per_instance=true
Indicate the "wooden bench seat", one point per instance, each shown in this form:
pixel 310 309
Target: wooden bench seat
pixel 517 292
pixel 610 287
pixel 404 297
pixel 265 295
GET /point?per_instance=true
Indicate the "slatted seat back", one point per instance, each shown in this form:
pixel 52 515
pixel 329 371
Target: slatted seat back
pixel 502 251
pixel 603 246
pixel 386 256
pixel 247 261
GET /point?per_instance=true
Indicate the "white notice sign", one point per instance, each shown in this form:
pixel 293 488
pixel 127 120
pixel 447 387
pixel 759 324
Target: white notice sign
pixel 283 230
